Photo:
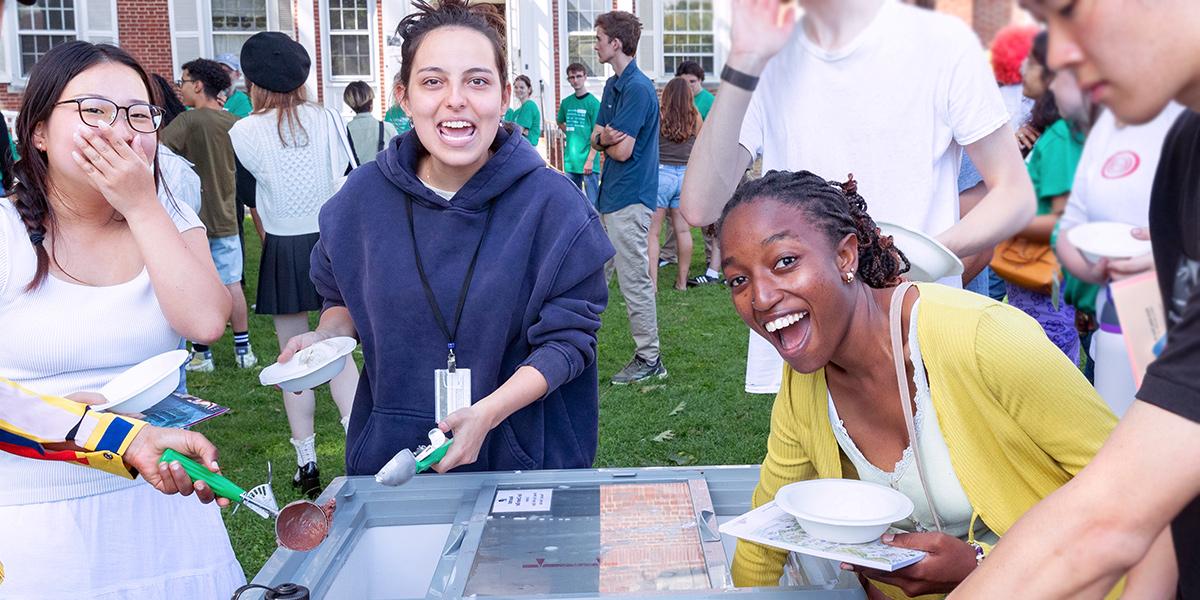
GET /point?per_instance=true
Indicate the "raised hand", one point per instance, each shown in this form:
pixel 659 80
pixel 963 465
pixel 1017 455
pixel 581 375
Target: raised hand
pixel 760 29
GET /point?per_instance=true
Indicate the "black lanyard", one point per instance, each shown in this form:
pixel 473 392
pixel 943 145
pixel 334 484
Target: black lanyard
pixel 462 296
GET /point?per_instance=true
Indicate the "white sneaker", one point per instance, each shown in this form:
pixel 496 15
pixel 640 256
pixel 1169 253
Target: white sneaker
pixel 201 362
pixel 247 360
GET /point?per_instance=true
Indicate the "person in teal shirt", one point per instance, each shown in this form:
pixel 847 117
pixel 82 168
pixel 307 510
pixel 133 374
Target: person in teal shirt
pixel 395 115
pixel 527 116
pixel 576 118
pixel 693 74
pixel 236 101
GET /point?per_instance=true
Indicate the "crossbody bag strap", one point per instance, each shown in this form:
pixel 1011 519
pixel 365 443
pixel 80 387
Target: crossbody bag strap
pixel 342 136
pixel 905 396
pixel 379 146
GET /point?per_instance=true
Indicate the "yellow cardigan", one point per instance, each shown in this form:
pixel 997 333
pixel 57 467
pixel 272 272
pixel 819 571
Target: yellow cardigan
pixel 1018 418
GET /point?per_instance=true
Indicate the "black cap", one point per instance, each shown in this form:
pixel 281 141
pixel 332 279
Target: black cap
pixel 274 61
pixel 25 2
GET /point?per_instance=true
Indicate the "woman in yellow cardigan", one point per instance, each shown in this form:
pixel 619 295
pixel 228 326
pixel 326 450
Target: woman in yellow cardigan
pixel 1002 417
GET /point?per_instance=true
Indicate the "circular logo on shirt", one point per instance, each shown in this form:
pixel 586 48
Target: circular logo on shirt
pixel 1121 164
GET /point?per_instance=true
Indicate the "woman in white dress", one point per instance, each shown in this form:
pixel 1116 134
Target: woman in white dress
pixel 96 275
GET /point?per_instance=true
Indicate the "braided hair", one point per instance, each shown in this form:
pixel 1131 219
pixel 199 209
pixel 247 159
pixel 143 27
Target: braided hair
pixel 837 210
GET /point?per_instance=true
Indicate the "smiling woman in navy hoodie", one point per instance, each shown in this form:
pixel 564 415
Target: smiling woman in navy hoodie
pixel 460 186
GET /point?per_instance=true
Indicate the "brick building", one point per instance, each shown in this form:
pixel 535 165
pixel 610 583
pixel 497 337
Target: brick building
pixel 352 39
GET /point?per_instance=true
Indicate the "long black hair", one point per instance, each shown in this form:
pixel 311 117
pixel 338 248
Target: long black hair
pixel 49 77
pixel 1045 109
pixel 835 209
pixel 166 97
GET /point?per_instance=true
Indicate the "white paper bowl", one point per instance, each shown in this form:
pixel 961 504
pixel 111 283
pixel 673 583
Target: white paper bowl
pixel 144 384
pixel 311 366
pixel 1107 239
pixel 930 260
pixel 845 511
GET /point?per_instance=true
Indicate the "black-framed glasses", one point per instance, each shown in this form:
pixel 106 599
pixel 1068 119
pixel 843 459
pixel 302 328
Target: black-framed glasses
pixel 142 117
pixel 180 82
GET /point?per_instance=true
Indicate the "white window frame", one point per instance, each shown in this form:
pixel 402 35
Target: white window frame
pixel 327 46
pixel 595 80
pixel 652 25
pixel 662 41
pixel 10 68
pixel 209 34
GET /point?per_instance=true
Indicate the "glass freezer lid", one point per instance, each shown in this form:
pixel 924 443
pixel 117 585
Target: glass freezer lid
pixel 621 537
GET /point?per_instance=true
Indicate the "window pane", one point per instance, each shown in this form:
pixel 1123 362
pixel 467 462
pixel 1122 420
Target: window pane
pixel 238 15
pixel 33 47
pixel 688 33
pixel 228 43
pixel 350 55
pixel 581 33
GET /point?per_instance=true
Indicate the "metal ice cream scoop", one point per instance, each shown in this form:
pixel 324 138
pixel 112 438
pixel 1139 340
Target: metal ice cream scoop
pixel 401 468
pixel 299 526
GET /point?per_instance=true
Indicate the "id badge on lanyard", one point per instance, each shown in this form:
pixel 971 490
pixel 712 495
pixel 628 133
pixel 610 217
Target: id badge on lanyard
pixel 451 389
pixel 452 385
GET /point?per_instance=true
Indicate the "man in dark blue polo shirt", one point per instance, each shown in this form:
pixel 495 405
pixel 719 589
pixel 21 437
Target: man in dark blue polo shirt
pixel 627 133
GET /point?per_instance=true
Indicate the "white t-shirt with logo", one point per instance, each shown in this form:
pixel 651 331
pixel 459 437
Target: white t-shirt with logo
pixel 1116 171
pixel 894 107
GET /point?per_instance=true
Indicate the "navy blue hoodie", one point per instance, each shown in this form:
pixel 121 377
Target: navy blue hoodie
pixel 536 299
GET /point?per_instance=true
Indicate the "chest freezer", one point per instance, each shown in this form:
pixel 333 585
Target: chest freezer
pixel 607 533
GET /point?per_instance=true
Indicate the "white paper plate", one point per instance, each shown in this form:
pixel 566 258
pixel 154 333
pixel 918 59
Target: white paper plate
pixel 1107 239
pixel 144 384
pixel 931 261
pixel 843 510
pixel 311 366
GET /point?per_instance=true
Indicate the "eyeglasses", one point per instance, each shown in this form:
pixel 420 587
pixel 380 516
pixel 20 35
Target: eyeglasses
pixel 142 117
pixel 180 82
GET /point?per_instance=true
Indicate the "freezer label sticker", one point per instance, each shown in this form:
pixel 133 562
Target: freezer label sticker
pixel 522 501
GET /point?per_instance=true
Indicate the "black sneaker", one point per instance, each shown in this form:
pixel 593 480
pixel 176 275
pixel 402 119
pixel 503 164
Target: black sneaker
pixel 308 480
pixel 639 369
pixel 704 280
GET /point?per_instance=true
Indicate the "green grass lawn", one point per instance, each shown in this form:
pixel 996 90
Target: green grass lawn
pixel 698 415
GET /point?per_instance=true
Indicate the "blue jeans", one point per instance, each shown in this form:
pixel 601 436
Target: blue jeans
pixel 590 184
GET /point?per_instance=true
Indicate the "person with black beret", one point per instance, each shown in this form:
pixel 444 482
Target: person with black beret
pixel 297 153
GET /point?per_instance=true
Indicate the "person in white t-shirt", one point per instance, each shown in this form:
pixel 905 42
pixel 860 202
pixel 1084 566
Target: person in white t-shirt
pixel 1112 183
pixel 888 92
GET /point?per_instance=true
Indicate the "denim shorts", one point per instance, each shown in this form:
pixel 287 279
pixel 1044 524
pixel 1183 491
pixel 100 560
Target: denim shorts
pixel 670 183
pixel 227 255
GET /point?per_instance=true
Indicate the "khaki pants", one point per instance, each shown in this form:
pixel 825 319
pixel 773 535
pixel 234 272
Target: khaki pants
pixel 628 230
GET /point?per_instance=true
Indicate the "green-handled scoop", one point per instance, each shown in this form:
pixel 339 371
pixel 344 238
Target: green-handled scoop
pixel 299 526
pixel 260 499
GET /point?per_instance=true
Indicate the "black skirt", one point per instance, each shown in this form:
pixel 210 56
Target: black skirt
pixel 284 286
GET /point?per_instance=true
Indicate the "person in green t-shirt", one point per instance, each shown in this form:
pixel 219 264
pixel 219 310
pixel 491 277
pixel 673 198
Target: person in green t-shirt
pixel 236 101
pixel 396 115
pixel 693 74
pixel 576 118
pixel 527 117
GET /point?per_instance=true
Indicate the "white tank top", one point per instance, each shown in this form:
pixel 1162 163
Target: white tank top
pixel 953 507
pixel 64 337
